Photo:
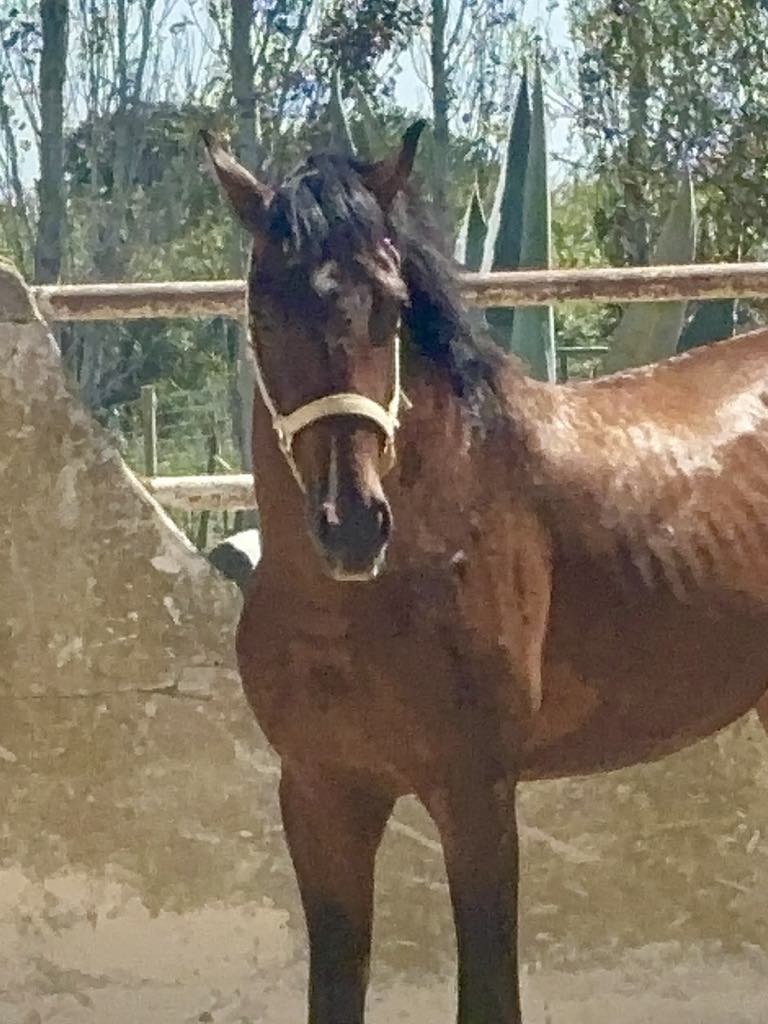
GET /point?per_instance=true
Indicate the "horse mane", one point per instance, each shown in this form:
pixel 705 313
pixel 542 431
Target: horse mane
pixel 323 211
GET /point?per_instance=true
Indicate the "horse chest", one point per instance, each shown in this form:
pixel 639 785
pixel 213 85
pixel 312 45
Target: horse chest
pixel 392 684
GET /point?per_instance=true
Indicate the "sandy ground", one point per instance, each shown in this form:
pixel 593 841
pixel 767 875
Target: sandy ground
pixel 144 880
pixel 232 966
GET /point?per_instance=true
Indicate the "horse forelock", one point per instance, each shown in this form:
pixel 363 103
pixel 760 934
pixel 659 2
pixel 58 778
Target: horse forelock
pixel 324 212
pixel 327 222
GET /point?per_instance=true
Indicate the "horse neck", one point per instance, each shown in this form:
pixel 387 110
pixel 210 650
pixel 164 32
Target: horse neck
pixel 463 458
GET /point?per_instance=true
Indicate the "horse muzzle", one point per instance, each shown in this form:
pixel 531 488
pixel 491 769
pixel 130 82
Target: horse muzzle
pixel 352 537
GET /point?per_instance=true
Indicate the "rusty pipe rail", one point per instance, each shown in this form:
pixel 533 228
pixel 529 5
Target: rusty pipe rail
pixel 182 299
pixel 216 492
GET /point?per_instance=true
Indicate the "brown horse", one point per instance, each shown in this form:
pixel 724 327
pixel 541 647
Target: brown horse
pixel 559 580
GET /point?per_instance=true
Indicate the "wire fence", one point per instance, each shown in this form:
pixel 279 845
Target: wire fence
pixel 190 433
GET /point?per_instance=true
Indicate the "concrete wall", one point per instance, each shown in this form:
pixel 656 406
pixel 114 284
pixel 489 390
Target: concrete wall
pixel 143 874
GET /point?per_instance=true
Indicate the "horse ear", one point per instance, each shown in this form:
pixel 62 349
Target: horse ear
pixel 387 177
pixel 248 197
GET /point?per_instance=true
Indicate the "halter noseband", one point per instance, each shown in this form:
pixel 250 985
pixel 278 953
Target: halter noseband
pixel 288 425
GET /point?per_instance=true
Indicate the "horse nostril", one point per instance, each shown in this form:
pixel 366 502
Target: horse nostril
pixel 383 520
pixel 327 520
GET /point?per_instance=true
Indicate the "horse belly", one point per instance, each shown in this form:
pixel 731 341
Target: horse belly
pixel 631 680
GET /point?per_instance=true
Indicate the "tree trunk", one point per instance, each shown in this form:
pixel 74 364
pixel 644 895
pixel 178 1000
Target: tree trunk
pixel 242 71
pixel 54 15
pixel 440 108
pixel 111 253
pixel 246 148
pixel 18 231
pixel 636 230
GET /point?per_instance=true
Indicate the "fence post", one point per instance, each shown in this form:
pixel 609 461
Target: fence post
pixel 245 519
pixel 149 424
pixel 205 515
pixel 562 358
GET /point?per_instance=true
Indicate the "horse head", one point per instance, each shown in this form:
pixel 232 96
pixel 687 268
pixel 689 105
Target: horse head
pixel 325 298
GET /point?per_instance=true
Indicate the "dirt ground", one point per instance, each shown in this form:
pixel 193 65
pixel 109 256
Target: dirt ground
pixel 144 880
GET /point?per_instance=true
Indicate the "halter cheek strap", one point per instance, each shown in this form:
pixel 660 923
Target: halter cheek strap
pixel 288 425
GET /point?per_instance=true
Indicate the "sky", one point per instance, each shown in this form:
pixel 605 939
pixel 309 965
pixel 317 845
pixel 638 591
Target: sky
pixel 411 92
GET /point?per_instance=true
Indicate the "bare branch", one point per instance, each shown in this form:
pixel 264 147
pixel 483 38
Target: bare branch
pixel 144 47
pixel 291 57
pixel 24 92
pixel 12 164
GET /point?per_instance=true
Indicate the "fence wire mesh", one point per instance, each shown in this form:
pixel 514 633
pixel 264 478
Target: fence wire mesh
pixel 195 435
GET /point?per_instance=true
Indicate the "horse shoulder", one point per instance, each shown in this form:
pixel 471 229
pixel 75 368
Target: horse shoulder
pixel 505 594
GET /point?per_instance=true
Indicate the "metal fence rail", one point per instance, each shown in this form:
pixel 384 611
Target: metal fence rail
pixel 188 299
pixel 215 492
pixel 179 299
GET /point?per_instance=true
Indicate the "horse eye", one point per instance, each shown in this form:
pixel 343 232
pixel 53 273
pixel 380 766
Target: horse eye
pixel 382 322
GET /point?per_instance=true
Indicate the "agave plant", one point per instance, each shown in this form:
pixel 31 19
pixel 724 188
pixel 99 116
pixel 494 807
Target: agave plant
pixel 714 320
pixel 505 224
pixel 518 235
pixel 472 234
pixel 533 328
pixel 519 231
pixel 649 331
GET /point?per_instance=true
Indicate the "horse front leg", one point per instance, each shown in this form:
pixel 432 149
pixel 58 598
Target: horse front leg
pixel 333 830
pixel 478 828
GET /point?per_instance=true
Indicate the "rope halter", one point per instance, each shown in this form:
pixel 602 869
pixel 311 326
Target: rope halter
pixel 288 425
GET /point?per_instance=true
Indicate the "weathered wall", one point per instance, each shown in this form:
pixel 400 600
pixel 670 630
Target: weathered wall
pixel 143 874
pixel 100 592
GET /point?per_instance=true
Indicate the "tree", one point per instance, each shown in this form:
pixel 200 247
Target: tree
pixel 241 66
pixel 672 83
pixel 439 73
pixel 357 38
pixel 19 49
pixel 54 17
pixel 468 57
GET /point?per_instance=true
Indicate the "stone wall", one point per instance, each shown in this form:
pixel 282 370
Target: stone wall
pixel 101 593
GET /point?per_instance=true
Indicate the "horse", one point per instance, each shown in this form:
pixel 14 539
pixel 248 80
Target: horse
pixel 469 577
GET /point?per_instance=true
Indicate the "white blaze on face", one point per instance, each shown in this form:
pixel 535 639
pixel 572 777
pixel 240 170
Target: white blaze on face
pixel 333 473
pixel 332 497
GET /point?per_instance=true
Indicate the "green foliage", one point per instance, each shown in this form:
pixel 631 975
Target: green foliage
pixel 649 331
pixel 575 244
pixel 355 34
pixel 533 329
pixel 668 81
pixel 471 240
